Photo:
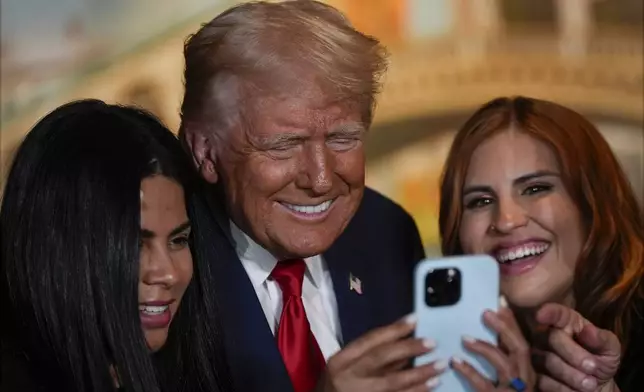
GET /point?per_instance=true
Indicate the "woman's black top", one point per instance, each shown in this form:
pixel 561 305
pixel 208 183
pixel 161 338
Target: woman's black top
pixel 630 377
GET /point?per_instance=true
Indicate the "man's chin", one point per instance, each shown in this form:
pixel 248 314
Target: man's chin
pixel 305 246
pixel 302 252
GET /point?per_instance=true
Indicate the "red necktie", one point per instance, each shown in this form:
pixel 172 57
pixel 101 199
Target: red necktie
pixel 300 351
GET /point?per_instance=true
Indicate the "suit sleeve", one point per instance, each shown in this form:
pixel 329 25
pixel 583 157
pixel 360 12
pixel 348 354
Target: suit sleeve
pixel 414 243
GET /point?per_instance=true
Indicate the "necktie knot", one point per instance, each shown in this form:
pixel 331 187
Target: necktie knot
pixel 289 275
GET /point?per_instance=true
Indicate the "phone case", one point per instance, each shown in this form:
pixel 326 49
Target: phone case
pixel 446 325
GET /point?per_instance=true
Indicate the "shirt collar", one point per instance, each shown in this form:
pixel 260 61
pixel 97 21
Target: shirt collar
pixel 259 262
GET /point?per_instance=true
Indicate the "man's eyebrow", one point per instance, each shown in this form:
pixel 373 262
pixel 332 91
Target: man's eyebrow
pixel 344 130
pixel 281 138
pixel 354 129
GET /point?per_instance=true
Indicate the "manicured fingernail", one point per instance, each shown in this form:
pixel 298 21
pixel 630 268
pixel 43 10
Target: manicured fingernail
pixel 503 303
pixel 441 365
pixel 468 339
pixel 433 382
pixel 588 365
pixel 589 384
pixel 457 360
pixel 490 315
pixel 429 343
pixel 410 319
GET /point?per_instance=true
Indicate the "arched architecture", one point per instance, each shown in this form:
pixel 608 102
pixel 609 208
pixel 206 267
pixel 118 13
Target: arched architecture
pixel 561 50
pixel 447 57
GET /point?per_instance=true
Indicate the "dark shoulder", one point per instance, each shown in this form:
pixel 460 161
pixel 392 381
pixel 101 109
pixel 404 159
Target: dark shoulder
pixel 377 207
pixel 630 377
pixel 386 228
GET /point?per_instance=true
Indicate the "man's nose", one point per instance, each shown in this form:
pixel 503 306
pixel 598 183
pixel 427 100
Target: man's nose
pixel 157 267
pixel 316 171
pixel 509 215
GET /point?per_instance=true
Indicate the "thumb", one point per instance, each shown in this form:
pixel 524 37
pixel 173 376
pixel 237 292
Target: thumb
pixel 599 341
pixel 561 317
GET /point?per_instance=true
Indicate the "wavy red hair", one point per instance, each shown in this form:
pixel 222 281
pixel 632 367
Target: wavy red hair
pixel 608 277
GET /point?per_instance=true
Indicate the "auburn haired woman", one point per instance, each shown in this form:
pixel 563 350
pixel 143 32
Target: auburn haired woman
pixel 536 186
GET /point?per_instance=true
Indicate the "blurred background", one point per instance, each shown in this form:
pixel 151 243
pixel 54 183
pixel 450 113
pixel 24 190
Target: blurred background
pixel 447 58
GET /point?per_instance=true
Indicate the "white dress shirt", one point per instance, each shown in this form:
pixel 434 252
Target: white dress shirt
pixel 317 291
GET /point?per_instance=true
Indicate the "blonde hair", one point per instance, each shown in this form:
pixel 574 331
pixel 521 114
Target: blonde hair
pixel 276 48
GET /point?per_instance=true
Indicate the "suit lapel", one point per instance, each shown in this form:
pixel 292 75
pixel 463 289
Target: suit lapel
pixel 256 360
pixel 354 308
pixel 252 352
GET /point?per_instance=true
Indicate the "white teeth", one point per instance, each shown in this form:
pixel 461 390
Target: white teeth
pixel 309 209
pixel 153 310
pixel 505 256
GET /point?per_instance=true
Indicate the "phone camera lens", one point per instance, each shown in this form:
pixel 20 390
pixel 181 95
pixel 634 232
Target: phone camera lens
pixel 443 287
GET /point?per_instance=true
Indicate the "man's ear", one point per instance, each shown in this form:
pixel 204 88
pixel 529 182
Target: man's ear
pixel 208 166
pixel 203 153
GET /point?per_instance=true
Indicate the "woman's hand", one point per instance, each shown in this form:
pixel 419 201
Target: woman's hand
pixel 511 359
pixel 576 355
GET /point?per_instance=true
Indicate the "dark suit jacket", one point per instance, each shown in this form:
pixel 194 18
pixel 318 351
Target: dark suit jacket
pixel 380 246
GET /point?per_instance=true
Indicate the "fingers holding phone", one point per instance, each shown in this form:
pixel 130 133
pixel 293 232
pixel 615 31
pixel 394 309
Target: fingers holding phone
pixel 511 358
pixel 373 363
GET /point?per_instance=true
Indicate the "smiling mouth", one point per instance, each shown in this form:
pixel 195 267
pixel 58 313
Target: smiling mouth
pixel 309 209
pixel 519 253
pixel 155 314
pixel 153 310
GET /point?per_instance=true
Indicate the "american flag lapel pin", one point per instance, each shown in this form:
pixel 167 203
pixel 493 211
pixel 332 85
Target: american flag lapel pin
pixel 355 284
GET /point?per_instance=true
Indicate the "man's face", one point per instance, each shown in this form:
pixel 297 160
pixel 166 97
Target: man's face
pixel 295 176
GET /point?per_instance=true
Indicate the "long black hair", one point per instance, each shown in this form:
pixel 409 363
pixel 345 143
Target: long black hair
pixel 69 225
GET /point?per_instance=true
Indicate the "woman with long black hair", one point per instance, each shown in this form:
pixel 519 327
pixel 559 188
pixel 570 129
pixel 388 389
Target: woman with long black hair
pixel 99 289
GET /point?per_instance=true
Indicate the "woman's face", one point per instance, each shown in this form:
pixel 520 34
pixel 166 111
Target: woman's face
pixel 517 209
pixel 165 258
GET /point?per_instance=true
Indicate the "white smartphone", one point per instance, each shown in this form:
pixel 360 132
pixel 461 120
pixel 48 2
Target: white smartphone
pixel 450 296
